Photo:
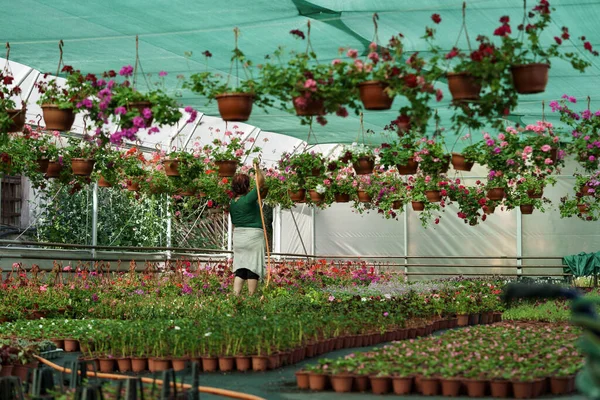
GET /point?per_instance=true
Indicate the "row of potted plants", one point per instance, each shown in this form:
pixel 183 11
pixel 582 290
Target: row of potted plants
pixel 527 361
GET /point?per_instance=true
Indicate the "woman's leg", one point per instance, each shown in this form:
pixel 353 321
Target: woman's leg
pixel 252 284
pixel 238 284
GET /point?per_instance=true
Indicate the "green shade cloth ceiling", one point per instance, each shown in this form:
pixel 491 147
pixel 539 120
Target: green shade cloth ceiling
pixel 100 35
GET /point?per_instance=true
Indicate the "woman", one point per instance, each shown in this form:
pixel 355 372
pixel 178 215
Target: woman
pixel 248 237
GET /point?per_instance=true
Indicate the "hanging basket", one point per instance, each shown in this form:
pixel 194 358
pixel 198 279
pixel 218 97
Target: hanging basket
pixel 57 119
pixel 42 165
pixel 171 166
pixel 133 186
pixel 433 196
pixel 463 86
pixel 397 204
pixel 495 194
pixel 526 208
pixel 298 197
pixel 374 96
pixel 316 196
pixel 226 168
pixel 341 198
pixel 54 168
pixel 140 106
pixel 530 78
pixel 235 106
pixel 312 107
pixel 402 125
pixel 364 197
pixel 82 166
pixel 364 165
pixel 186 192
pixel 533 194
pixel 103 182
pixel 583 208
pixel 17 120
pixel 460 163
pixel 410 168
pixel 418 205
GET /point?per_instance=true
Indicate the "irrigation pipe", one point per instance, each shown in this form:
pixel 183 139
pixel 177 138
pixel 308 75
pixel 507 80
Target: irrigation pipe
pixel 203 389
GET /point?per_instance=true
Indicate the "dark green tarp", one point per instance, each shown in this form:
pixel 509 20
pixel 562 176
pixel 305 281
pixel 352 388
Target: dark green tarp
pixel 582 264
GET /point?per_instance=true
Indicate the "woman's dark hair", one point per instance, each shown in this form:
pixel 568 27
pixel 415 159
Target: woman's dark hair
pixel 240 184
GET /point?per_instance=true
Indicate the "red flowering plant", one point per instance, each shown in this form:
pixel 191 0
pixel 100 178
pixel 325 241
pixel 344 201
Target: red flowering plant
pixel 528 47
pixel 68 96
pixel 585 125
pixel 484 64
pixel 432 158
pixel 503 157
pixel 7 103
pixel 399 151
pixel 415 193
pixel 471 200
pixel 303 82
pixel 279 184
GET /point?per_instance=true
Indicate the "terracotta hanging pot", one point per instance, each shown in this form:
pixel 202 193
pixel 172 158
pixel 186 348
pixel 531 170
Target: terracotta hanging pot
pixel 342 383
pixel 57 119
pixel 103 182
pixel 410 168
pixel 226 364
pixel 226 168
pixel 364 165
pixel 374 96
pixel 380 384
pixel 316 196
pixel 260 363
pixel 450 387
pixel 124 364
pixel 396 205
pixel 418 205
pixel 530 78
pixel 583 208
pixel 585 191
pixel 235 106
pixel 317 381
pixel 475 387
pixel 312 107
pixel 364 197
pixel 341 198
pixel 139 364
pixel 171 166
pixel 140 106
pixel 522 390
pixel 500 388
pixel 17 120
pixel 433 196
pixel 554 155
pixel 533 194
pixel 298 196
pixel 495 194
pixel 243 363
pixel 186 193
pixel 316 171
pixel 133 186
pixel 460 163
pixel 463 86
pixel 82 166
pixel 490 210
pixel 526 209
pixel 402 385
pixel 302 379
pixel 42 165
pixel 54 168
pixel 179 363
pixel 6 370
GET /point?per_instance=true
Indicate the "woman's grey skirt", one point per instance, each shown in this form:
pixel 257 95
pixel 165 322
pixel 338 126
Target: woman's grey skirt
pixel 249 250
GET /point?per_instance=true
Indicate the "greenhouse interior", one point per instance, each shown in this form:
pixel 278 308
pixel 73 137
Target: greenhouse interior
pixel 299 199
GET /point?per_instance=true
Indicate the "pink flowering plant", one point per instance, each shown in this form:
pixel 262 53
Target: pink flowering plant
pixel 232 148
pixel 415 190
pixel 343 181
pixel 585 132
pixel 433 159
pixel 400 151
pixel 306 163
pixel 391 196
pixel 503 154
pixel 539 147
pixel 528 46
pixel 279 184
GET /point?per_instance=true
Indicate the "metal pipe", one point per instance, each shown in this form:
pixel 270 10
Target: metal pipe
pixel 94 218
pixel 229 236
pixel 116 248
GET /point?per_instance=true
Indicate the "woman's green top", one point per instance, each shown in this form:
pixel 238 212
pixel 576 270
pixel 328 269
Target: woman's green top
pixel 245 211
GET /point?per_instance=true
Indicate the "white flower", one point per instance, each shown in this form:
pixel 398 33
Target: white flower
pixel 387 296
pixel 320 189
pixel 177 328
pixel 363 299
pixel 207 334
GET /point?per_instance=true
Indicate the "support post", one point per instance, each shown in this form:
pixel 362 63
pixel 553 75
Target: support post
pixel 277 223
pixel 94 218
pixel 168 234
pixel 314 233
pixel 405 241
pixel 519 242
pixel 229 236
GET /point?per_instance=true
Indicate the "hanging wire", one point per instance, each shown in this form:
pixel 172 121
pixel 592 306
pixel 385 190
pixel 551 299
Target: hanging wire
pixel 60 60
pixel 376 30
pixel 543 111
pixel 138 62
pixel 463 28
pixel 234 60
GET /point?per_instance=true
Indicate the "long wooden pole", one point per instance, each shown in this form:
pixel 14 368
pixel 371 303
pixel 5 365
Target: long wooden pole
pixel 262 217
